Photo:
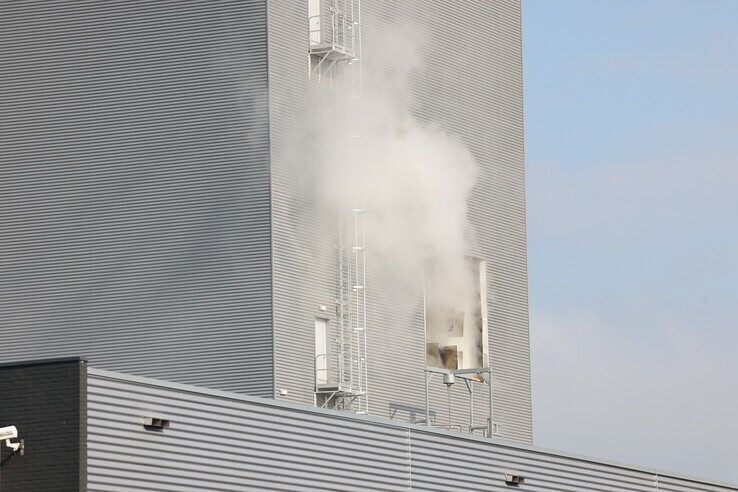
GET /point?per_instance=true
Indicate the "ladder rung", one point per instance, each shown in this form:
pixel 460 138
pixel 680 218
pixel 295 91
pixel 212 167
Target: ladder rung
pixel 359 287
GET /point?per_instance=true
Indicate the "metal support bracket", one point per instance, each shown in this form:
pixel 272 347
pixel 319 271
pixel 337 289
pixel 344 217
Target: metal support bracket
pixel 469 376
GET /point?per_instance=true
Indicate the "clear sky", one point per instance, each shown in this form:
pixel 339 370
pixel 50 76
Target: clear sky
pixel 632 167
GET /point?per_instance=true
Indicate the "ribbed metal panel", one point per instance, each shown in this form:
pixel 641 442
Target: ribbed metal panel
pixel 137 214
pixel 477 96
pixel 304 225
pixel 134 175
pixel 471 85
pixel 223 441
pixel 674 484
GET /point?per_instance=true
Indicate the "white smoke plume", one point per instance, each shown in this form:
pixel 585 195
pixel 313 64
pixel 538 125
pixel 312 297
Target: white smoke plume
pixel 414 176
pixel 415 180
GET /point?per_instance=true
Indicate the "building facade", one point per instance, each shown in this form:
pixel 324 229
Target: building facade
pixel 160 215
pixel 206 439
pixel 175 208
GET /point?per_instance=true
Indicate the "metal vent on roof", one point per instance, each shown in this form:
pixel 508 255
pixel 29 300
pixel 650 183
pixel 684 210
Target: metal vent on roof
pixel 514 479
pixel 153 423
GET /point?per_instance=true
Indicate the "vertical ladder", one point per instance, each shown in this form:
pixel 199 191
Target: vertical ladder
pixel 336 49
pixel 359 248
pixel 353 286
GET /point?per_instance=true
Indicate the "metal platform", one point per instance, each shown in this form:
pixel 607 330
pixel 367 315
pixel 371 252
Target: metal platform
pixel 334 54
pixel 333 35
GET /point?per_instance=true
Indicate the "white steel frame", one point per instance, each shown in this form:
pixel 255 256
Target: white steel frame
pixel 469 376
pixel 335 53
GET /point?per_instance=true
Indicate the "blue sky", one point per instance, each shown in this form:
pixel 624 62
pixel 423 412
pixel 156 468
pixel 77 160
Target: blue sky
pixel 632 168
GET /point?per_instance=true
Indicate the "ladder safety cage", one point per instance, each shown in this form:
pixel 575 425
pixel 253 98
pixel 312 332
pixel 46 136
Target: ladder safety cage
pixel 335 52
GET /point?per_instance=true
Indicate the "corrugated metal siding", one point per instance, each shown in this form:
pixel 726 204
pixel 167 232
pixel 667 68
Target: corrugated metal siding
pixel 147 126
pixel 477 465
pixel 218 442
pixel 304 225
pixel 674 484
pixel 134 175
pixel 471 84
pixel 227 442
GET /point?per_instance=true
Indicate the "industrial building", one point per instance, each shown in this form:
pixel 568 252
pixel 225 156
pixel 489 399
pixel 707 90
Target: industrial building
pixel 158 215
pixel 270 245
pixel 99 430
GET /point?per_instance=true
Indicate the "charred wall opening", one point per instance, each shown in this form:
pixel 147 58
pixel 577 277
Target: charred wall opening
pixel 455 314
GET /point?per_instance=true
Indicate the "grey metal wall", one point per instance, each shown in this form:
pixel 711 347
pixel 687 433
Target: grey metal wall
pixel 139 205
pixel 221 441
pixel 304 224
pixel 134 176
pixel 470 83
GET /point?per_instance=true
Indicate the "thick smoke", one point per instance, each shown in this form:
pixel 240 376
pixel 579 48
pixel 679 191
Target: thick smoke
pixel 414 176
pixel 415 180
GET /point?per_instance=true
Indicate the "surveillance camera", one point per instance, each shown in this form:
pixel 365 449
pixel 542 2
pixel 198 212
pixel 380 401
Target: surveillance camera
pixel 9 432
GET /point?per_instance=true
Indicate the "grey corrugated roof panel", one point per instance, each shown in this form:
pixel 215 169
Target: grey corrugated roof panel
pixel 334 414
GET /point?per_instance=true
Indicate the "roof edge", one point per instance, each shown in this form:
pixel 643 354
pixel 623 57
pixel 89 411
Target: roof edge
pixel 188 388
pixel 43 362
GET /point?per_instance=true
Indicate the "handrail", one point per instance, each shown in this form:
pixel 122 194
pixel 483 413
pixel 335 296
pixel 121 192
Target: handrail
pixel 319 29
pixel 326 369
pixel 338 29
